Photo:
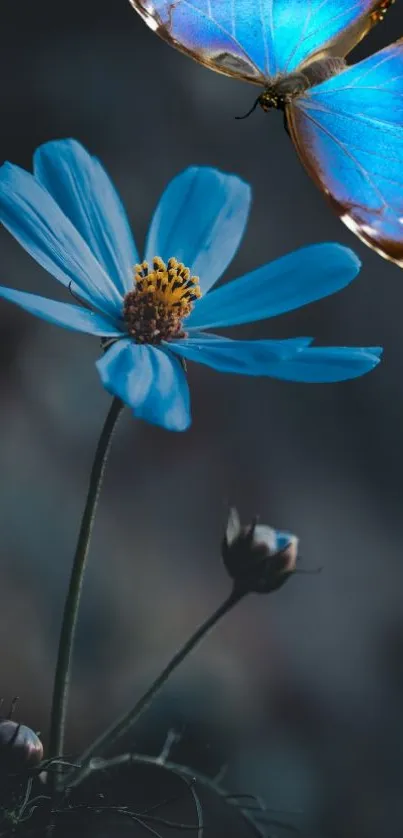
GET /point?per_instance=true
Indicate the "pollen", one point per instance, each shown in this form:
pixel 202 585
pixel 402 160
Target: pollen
pixel 163 296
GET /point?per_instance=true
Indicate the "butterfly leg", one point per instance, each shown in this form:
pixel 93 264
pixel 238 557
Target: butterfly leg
pixel 285 123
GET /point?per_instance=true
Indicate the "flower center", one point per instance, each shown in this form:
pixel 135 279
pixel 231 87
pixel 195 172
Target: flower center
pixel 162 297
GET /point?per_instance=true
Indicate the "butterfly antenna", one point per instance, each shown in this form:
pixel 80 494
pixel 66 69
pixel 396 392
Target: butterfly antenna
pixel 253 108
pixel 76 297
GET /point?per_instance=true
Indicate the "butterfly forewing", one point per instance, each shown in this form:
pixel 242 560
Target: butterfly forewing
pixel 348 132
pixel 256 39
pixel 207 31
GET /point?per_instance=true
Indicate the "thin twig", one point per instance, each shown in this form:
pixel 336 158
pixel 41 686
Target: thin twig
pixel 99 764
pixel 126 722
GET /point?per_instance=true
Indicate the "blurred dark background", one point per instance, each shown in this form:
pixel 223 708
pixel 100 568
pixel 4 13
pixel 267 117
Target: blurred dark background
pixel 301 693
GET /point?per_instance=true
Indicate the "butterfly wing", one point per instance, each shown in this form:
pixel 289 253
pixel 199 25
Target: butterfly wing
pixel 348 132
pixel 255 39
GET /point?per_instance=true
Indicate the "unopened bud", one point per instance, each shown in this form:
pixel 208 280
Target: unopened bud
pixel 20 747
pixel 257 557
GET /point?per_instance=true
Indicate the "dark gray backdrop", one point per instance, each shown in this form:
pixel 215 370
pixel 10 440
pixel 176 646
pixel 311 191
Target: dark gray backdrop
pixel 315 672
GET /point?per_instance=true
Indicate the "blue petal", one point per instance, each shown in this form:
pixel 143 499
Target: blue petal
pixel 291 344
pixel 288 283
pixel 327 364
pixel 248 357
pixel 283 539
pixel 62 314
pixel 35 220
pixel 84 192
pixel 150 380
pixel 200 219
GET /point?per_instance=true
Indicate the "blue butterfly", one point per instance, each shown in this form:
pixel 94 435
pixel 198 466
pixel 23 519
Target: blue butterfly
pixel 346 122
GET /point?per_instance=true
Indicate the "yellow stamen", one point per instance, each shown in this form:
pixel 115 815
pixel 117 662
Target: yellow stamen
pixel 163 295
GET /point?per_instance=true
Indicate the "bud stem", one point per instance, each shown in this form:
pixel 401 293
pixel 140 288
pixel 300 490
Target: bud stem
pixel 69 624
pixel 125 722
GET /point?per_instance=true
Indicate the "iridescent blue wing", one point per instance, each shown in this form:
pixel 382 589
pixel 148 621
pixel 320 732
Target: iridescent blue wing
pixel 348 132
pixel 255 39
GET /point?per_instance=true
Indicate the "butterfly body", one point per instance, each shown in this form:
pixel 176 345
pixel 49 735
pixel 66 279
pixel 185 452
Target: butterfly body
pixel 283 89
pixel 346 122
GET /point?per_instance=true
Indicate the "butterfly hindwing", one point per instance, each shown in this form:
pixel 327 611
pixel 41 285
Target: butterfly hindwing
pixel 256 39
pixel 348 132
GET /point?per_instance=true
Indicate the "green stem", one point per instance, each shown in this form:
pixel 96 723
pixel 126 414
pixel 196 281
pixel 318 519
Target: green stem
pixel 69 624
pixel 125 722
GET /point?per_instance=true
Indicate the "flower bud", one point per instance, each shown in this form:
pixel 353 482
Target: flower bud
pixel 257 557
pixel 20 748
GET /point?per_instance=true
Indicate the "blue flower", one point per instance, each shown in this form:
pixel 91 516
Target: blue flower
pixel 152 316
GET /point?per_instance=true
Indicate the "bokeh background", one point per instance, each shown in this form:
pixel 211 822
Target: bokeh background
pixel 300 693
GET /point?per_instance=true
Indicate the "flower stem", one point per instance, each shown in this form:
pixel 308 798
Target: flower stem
pixel 125 722
pixel 69 624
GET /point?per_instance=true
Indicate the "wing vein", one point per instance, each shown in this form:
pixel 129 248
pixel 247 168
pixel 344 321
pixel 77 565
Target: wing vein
pixel 225 32
pixel 264 39
pixel 361 87
pixel 376 155
pixel 356 162
pixel 302 36
pixel 367 120
pixel 233 21
pixel 332 20
pixel 372 67
pixel 271 30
